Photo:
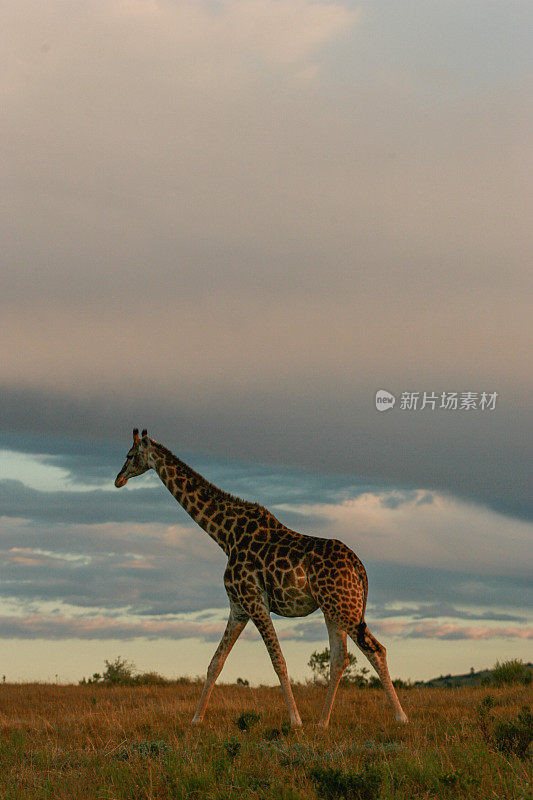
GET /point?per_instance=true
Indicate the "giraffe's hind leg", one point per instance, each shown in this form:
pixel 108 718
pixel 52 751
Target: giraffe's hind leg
pixel 339 584
pixel 377 655
pixel 338 663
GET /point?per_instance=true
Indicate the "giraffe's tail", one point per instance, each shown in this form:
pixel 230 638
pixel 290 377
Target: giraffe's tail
pixel 360 633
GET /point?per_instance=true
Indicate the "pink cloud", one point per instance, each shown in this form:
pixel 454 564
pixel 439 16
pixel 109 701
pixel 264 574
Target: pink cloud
pixel 58 626
pixel 451 630
pixel 61 626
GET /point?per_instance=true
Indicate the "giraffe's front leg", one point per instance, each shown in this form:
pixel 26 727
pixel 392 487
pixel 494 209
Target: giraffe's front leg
pixel 234 628
pixel 264 625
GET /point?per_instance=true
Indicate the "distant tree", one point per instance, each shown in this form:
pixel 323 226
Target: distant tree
pixel 119 671
pixel 319 663
pixel 242 682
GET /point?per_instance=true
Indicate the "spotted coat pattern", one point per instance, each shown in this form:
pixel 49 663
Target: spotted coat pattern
pixel 270 568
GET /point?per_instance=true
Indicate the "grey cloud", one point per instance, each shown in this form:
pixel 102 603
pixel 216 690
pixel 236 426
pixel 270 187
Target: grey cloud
pixel 86 460
pixel 96 462
pixel 312 630
pixel 393 583
pixel 155 586
pixel 78 541
pixel 97 523
pixel 443 609
pixel 396 499
pixel 94 506
pixel 484 458
pixel 147 569
pixel 140 569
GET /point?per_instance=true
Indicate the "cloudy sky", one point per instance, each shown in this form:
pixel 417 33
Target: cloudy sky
pixel 232 222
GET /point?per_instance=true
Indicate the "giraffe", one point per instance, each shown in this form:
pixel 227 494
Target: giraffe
pixel 270 569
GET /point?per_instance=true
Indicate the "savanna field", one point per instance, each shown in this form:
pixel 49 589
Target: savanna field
pixel 135 743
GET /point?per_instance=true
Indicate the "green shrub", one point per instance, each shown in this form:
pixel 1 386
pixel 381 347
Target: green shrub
pixel 123 673
pixel 458 779
pixel 334 783
pixel 399 683
pixel 515 736
pixel 271 734
pixel 513 671
pixel 232 747
pixel 144 750
pixel 511 736
pixel 247 720
pixel 150 679
pixel 484 717
pixel 284 793
pixel 488 702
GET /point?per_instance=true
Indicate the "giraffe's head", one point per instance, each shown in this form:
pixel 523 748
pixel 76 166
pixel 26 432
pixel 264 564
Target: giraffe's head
pixel 137 460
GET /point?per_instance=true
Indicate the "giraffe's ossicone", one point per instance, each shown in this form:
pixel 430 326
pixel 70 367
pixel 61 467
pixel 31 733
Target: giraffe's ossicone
pixel 270 569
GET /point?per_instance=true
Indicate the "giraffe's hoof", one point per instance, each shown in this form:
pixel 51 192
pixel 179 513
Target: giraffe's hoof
pixel 402 718
pixel 196 723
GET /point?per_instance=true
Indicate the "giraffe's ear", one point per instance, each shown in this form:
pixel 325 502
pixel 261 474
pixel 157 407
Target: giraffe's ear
pixel 136 435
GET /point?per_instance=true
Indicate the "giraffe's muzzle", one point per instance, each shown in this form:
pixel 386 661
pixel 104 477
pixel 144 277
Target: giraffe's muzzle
pixel 120 481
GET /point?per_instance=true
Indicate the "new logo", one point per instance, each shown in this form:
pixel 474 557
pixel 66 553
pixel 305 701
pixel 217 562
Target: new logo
pixel 384 400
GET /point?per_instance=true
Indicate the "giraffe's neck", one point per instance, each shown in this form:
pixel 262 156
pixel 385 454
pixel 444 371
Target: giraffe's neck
pixel 207 505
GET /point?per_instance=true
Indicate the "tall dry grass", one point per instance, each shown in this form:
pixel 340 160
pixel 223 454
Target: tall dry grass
pixel 112 742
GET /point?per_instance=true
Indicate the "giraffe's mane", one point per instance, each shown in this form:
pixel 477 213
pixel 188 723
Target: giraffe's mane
pixel 191 473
